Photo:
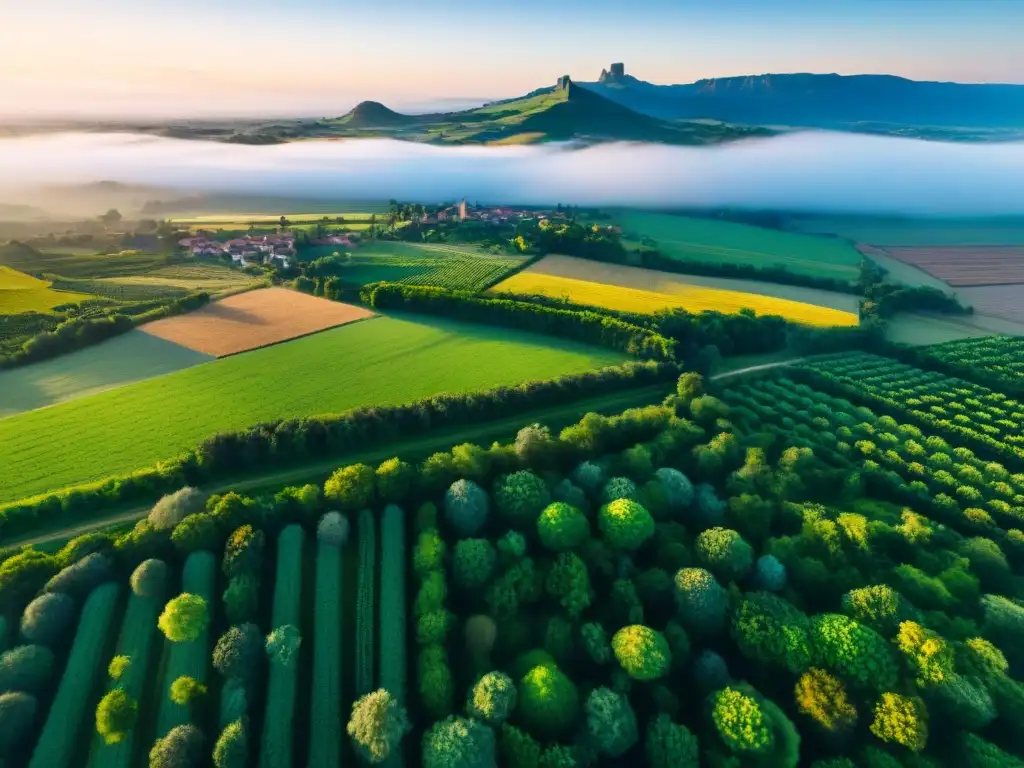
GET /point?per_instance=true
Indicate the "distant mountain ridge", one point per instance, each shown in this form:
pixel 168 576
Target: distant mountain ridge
pixel 819 100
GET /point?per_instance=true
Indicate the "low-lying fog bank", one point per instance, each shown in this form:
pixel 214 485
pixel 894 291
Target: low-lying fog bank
pixel 813 171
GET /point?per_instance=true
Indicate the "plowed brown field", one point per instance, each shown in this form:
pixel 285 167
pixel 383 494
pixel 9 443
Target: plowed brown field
pixel 967 265
pixel 254 319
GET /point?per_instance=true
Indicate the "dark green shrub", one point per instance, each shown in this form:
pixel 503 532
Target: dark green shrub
pixel 668 745
pixel 492 698
pixel 520 497
pixel 625 524
pixel 701 601
pixel 473 563
pixel 562 527
pixel 181 748
pixel 548 701
pixel 466 507
pixel 352 488
pixel 239 652
pixel 642 652
pixel 458 742
pixel 724 553
pixel 611 722
pixel 26 668
pixel 48 619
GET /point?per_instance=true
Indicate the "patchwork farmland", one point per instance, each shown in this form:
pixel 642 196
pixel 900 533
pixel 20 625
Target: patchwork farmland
pixel 642 290
pixel 253 319
pixel 381 361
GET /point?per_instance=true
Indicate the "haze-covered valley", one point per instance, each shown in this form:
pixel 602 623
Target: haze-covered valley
pixel 807 171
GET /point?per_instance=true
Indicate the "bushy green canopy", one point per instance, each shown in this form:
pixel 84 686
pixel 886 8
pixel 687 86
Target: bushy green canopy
pixel 625 524
pixel 459 742
pixel 853 650
pixel 116 715
pixel 520 497
pixel 548 701
pixel 377 725
pixel 184 618
pixel 724 552
pixel 642 652
pixel 562 527
pixel 611 722
pixel 492 698
pixel 668 745
pixel 740 722
pixel 700 600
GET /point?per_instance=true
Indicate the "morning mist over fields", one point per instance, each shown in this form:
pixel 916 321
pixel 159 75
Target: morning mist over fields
pixel 814 171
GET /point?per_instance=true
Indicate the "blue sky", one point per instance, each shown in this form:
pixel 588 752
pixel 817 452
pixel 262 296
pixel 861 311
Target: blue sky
pixel 191 57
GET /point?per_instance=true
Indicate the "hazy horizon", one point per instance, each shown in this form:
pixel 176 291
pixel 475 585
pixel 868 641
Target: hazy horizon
pixel 186 58
pixel 806 171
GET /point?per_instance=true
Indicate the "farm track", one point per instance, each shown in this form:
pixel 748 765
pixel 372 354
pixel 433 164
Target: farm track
pixel 558 416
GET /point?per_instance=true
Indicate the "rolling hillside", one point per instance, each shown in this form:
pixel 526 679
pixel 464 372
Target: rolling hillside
pixel 562 112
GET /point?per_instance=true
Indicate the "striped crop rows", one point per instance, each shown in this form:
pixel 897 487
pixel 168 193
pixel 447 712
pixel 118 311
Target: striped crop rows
pixel 364 603
pixel 282 685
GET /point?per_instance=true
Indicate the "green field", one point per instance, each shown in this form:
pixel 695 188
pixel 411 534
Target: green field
pixel 449 266
pixel 380 361
pixel 720 242
pixel 911 232
pixel 23 293
pixel 124 359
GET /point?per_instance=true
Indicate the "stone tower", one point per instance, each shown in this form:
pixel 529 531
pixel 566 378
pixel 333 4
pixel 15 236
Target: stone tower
pixel 462 210
pixel 618 70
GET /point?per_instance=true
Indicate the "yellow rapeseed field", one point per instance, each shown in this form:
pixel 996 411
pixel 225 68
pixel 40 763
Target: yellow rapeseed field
pixel 661 291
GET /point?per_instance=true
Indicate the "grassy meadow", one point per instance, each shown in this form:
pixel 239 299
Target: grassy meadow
pixel 633 289
pixel 125 359
pixel 379 361
pixel 23 293
pixel 911 232
pixel 721 242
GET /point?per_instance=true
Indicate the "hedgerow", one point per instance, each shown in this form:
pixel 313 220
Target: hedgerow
pixel 67 717
pixel 328 619
pixel 365 603
pixel 282 682
pixel 392 654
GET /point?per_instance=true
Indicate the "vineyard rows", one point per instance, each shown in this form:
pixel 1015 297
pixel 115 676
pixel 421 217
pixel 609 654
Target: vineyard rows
pixel 1000 356
pixel 923 470
pixel 988 420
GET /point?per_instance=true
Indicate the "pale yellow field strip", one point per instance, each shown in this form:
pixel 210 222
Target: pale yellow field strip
pixel 632 289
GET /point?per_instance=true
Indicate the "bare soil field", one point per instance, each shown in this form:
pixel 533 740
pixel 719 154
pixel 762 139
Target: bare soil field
pixel 1006 301
pixel 967 265
pixel 254 319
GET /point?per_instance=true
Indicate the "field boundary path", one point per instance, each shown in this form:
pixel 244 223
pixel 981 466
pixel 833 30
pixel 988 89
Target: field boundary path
pixel 615 402
pixel 762 367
